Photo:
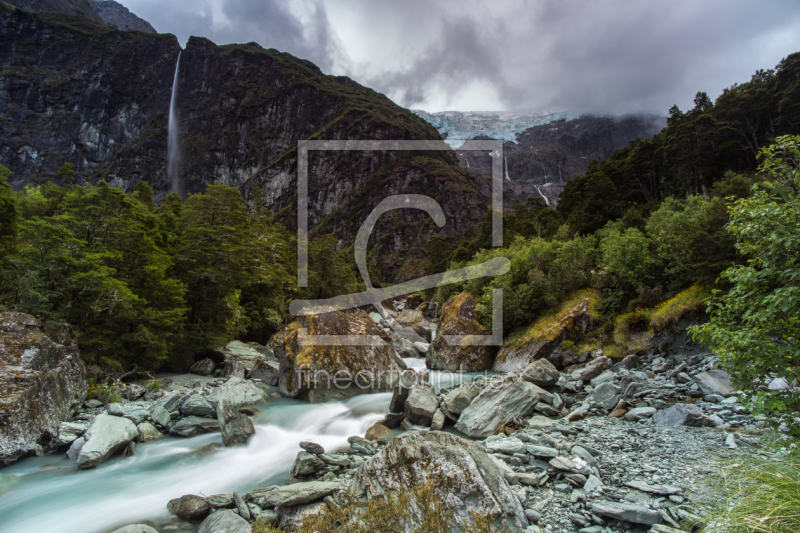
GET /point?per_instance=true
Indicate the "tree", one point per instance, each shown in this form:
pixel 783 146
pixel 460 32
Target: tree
pixel 66 173
pixel 755 326
pixel 8 215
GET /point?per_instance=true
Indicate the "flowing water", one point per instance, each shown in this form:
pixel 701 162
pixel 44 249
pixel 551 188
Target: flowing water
pixel 49 494
pixel 173 148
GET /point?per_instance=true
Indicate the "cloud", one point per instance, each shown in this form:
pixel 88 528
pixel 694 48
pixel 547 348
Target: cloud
pixel 602 56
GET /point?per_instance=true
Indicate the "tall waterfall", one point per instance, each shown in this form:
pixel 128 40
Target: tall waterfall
pixel 173 149
pixel 506 165
pixel 543 196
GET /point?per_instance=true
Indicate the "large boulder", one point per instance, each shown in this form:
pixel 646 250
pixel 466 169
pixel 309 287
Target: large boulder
pixel 542 373
pixel 197 405
pixel 291 495
pixel 317 372
pixel 237 355
pixel 192 426
pixel 544 337
pixel 204 367
pixel 461 472
pixel 500 402
pixel 236 427
pixel 682 414
pixel 266 370
pixel 458 399
pixel 715 382
pixel 189 507
pixel 458 318
pixel 42 379
pixel 421 404
pixel 237 392
pixel 106 436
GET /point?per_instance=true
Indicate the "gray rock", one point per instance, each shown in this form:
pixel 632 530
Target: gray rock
pixel 335 459
pixel 189 507
pixel 203 367
pixel 542 451
pixel 236 428
pixel 244 510
pixel 640 413
pixel 75 448
pixel 148 432
pixel 541 422
pixel 306 464
pixel 268 516
pixel 68 432
pixel 472 477
pixel 458 399
pixel 421 404
pixel 603 392
pixel 715 382
pixel 291 495
pixel 224 521
pixel 506 445
pixel 193 426
pixel 312 447
pixel 236 392
pixel 267 370
pixel 682 414
pixel 106 436
pixel 502 401
pixel 291 518
pixel 221 501
pixel 135 528
pixel 437 423
pixel 114 409
pixel 541 372
pixel 197 405
pixel 627 512
pixel 170 402
pixel 643 486
pixel 160 415
pixel 593 482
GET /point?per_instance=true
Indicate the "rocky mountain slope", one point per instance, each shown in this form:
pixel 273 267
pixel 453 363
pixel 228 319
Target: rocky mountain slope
pixel 74 89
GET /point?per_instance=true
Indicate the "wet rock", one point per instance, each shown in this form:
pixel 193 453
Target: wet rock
pixel 312 447
pixel 197 405
pixel 306 464
pixel 189 507
pixel 42 380
pixel 225 521
pixel 218 501
pixel 682 414
pixel 377 431
pixel 203 367
pixel 236 428
pixel 458 318
pixel 542 373
pixel 456 467
pixel 148 432
pixel 421 404
pixel 715 382
pixel 291 495
pixel 627 512
pixel 193 426
pixel 502 401
pixel 307 371
pixel 106 436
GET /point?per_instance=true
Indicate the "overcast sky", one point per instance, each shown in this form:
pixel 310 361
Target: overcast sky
pixel 600 56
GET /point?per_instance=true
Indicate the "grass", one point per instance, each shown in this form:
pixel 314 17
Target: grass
pixel 551 326
pixel 632 331
pixel 761 496
pixel 687 302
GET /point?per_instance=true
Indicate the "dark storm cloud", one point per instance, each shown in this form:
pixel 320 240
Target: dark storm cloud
pixel 613 56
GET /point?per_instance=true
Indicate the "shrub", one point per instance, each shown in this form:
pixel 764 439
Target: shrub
pixel 692 300
pixel 632 330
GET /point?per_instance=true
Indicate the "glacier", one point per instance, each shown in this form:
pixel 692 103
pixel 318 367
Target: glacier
pixel 460 126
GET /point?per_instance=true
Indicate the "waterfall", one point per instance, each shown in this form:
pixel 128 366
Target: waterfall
pixel 173 149
pixel 543 196
pixel 506 162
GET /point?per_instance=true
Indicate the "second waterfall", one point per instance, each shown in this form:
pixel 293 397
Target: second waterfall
pixel 173 147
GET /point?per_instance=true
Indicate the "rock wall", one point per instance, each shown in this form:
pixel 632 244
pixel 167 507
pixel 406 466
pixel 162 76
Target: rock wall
pixel 42 378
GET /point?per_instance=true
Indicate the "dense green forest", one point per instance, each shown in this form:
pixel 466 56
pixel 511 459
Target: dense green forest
pixel 153 286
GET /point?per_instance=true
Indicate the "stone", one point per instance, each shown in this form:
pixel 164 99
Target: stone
pixel 291 518
pixel 306 464
pixel 603 392
pixel 682 414
pixel 500 402
pixel 171 402
pixel 468 476
pixel 203 367
pixel 592 483
pixel 715 382
pixel 593 368
pixel 244 510
pixel 268 517
pixel 106 436
pixel 402 390
pixel 640 413
pixel 664 490
pixel 393 420
pixel 197 405
pixel 506 445
pixel 422 347
pixel 575 316
pixel 437 423
pixel 627 512
pixel 531 480
pixel 160 415
pixel 42 379
pixel 312 447
pixel 377 431
pixel 541 422
pixel 236 428
pixel 135 528
pixel 334 373
pixel 237 392
pixel 68 432
pixel 336 459
pixel 217 501
pixel 193 426
pixel 266 370
pixel 224 521
pixel 458 399
pixel 75 448
pixel 421 404
pixel 458 318
pixel 189 507
pixel 148 432
pixel 114 409
pixel 542 373
pixel 239 354
pixel 291 495
pixel 542 451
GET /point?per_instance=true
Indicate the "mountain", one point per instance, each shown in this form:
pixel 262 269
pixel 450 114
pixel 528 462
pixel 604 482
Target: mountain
pixel 75 89
pixel 542 151
pixel 108 11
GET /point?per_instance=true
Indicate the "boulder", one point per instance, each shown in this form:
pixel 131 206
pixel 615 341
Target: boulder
pixel 148 432
pixel 715 382
pixel 312 447
pixel 224 521
pixel 42 380
pixel 291 495
pixel 203 367
pixel 170 402
pixel 321 373
pixel 545 336
pixel 291 518
pixel 592 369
pixel 306 464
pixel 460 471
pixel 458 318
pixel 75 448
pixel 238 352
pixel 437 422
pixel 542 373
pixel 403 346
pixel 106 436
pixel 236 427
pixel 682 414
pixel 197 405
pixel 628 512
pixel 135 528
pixel 237 392
pixel 266 370
pixel 640 413
pixel 68 432
pixel 189 507
pixel 377 431
pixel 402 390
pixel 458 399
pixel 193 426
pixel 502 401
pixel 160 415
pixel 421 404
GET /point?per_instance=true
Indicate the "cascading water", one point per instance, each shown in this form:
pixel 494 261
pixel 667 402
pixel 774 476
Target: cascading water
pixel 542 195
pixel 173 149
pixel 506 165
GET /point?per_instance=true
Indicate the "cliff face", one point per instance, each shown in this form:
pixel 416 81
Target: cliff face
pixel 117 16
pixel 76 90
